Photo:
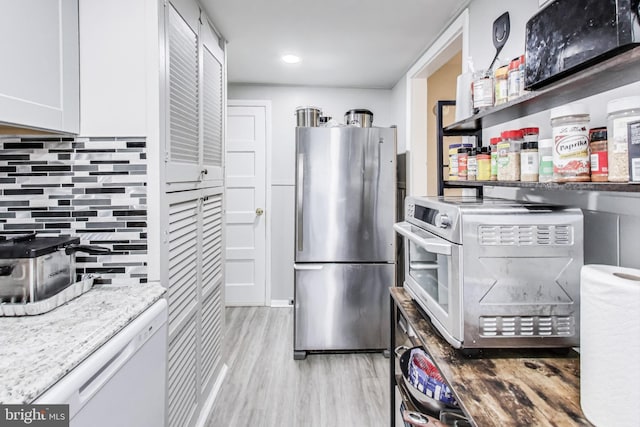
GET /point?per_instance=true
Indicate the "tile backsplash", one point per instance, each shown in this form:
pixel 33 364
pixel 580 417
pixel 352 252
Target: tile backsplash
pixel 92 188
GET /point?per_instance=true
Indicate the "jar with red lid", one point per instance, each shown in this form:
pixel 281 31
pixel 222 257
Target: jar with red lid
pixel 530 134
pixel 493 143
pixel 509 155
pixel 599 154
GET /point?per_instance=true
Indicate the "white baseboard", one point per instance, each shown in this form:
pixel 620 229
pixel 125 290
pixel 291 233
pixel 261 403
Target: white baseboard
pixel 280 303
pixel 208 404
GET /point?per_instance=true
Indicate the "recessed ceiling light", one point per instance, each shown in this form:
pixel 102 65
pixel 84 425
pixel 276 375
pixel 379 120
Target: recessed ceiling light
pixel 291 59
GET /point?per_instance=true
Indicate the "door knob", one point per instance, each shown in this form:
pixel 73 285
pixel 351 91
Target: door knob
pixel 259 211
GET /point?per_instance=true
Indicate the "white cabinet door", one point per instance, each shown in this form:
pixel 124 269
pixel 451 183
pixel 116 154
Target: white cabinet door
pixel 113 67
pixel 213 109
pixel 183 138
pixel 39 83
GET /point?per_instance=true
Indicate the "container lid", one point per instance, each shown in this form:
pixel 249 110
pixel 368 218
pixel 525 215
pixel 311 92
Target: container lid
pixel 307 107
pixel 359 111
pixel 545 143
pixel 576 109
pixel 530 145
pixel 514 64
pixel 512 134
pixel 621 104
pixel 530 131
pixel 34 247
pixel 473 151
pixel 456 146
pixel 463 150
pixel 502 71
pixel 598 134
pixel 494 141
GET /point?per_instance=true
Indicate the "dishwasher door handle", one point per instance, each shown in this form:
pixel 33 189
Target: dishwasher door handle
pixel 106 371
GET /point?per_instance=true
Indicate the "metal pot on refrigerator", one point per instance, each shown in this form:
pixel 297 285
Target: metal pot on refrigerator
pixel 359 117
pixel 35 268
pixel 308 116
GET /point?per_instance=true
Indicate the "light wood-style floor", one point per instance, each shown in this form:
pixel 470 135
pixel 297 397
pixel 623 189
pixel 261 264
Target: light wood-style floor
pixel 264 386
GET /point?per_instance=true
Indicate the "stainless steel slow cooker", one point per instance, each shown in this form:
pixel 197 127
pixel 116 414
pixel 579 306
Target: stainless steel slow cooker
pixel 359 117
pixel 34 268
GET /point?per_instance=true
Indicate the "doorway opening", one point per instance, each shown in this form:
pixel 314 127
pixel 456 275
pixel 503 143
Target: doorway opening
pixel 431 79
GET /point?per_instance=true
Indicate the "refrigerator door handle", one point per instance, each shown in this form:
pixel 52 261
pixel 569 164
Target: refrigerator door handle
pixel 299 217
pixel 300 267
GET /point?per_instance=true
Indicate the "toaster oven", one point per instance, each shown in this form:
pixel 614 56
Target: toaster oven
pixel 492 273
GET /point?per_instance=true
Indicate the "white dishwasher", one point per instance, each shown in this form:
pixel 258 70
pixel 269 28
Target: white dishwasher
pixel 123 382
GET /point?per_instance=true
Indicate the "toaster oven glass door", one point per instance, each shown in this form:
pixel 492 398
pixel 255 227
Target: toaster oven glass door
pixel 432 267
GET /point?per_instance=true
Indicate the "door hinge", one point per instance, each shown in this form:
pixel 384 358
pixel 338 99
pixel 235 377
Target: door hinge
pixel 166 157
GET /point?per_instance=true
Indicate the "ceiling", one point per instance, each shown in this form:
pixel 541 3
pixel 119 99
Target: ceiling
pixel 342 43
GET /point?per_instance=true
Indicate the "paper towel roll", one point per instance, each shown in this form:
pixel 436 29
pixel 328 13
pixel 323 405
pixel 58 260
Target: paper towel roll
pixel 610 345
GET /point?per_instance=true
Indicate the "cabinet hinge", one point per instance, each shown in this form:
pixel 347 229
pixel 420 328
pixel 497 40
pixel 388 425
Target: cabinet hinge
pixel 166 157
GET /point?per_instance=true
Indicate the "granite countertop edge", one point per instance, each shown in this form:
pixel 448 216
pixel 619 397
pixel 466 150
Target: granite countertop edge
pixel 37 351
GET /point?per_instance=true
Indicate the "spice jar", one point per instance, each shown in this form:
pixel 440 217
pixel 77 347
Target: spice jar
pixel 501 85
pixel 619 113
pixel 493 143
pixel 545 154
pixel 509 155
pixel 484 164
pixel 472 165
pixel 453 161
pixel 463 156
pixel 570 125
pixel 530 134
pixel 482 90
pixel 514 79
pixel 599 154
pixel 529 163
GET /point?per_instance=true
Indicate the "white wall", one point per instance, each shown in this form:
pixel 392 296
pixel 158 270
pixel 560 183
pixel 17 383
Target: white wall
pixel 334 102
pixel 399 112
pixel 482 13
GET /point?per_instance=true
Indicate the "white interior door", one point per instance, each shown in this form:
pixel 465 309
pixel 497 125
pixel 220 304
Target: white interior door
pixel 245 272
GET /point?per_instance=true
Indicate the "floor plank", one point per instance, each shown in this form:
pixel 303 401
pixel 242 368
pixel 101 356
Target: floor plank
pixel 265 387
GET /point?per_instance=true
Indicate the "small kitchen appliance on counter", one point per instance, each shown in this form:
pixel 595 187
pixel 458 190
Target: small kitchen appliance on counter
pixel 493 272
pixel 567 36
pixel 37 272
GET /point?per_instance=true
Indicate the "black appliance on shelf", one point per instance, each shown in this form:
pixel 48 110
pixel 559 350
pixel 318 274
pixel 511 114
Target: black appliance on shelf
pixel 567 36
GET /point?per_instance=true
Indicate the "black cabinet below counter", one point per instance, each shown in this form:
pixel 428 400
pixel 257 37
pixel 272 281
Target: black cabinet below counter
pixel 503 387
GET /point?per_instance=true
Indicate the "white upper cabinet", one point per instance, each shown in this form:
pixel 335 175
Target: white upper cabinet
pixel 113 68
pixel 39 85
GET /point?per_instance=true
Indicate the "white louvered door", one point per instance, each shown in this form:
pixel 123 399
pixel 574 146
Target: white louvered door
pixel 212 109
pixel 182 154
pixel 183 298
pixel 212 288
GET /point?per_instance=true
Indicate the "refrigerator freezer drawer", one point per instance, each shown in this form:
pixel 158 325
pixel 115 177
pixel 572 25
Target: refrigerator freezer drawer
pixel 342 306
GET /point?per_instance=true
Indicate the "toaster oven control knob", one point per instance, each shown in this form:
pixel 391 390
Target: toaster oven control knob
pixel 443 221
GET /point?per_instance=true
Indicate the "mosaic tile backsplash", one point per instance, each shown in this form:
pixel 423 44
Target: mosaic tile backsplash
pixel 92 188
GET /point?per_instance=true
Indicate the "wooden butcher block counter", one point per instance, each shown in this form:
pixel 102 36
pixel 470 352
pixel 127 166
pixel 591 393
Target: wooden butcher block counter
pixel 502 387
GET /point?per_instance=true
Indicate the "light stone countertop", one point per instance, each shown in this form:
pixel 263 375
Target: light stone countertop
pixel 37 351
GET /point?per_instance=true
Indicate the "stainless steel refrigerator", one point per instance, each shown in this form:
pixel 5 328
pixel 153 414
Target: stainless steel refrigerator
pixel 344 239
